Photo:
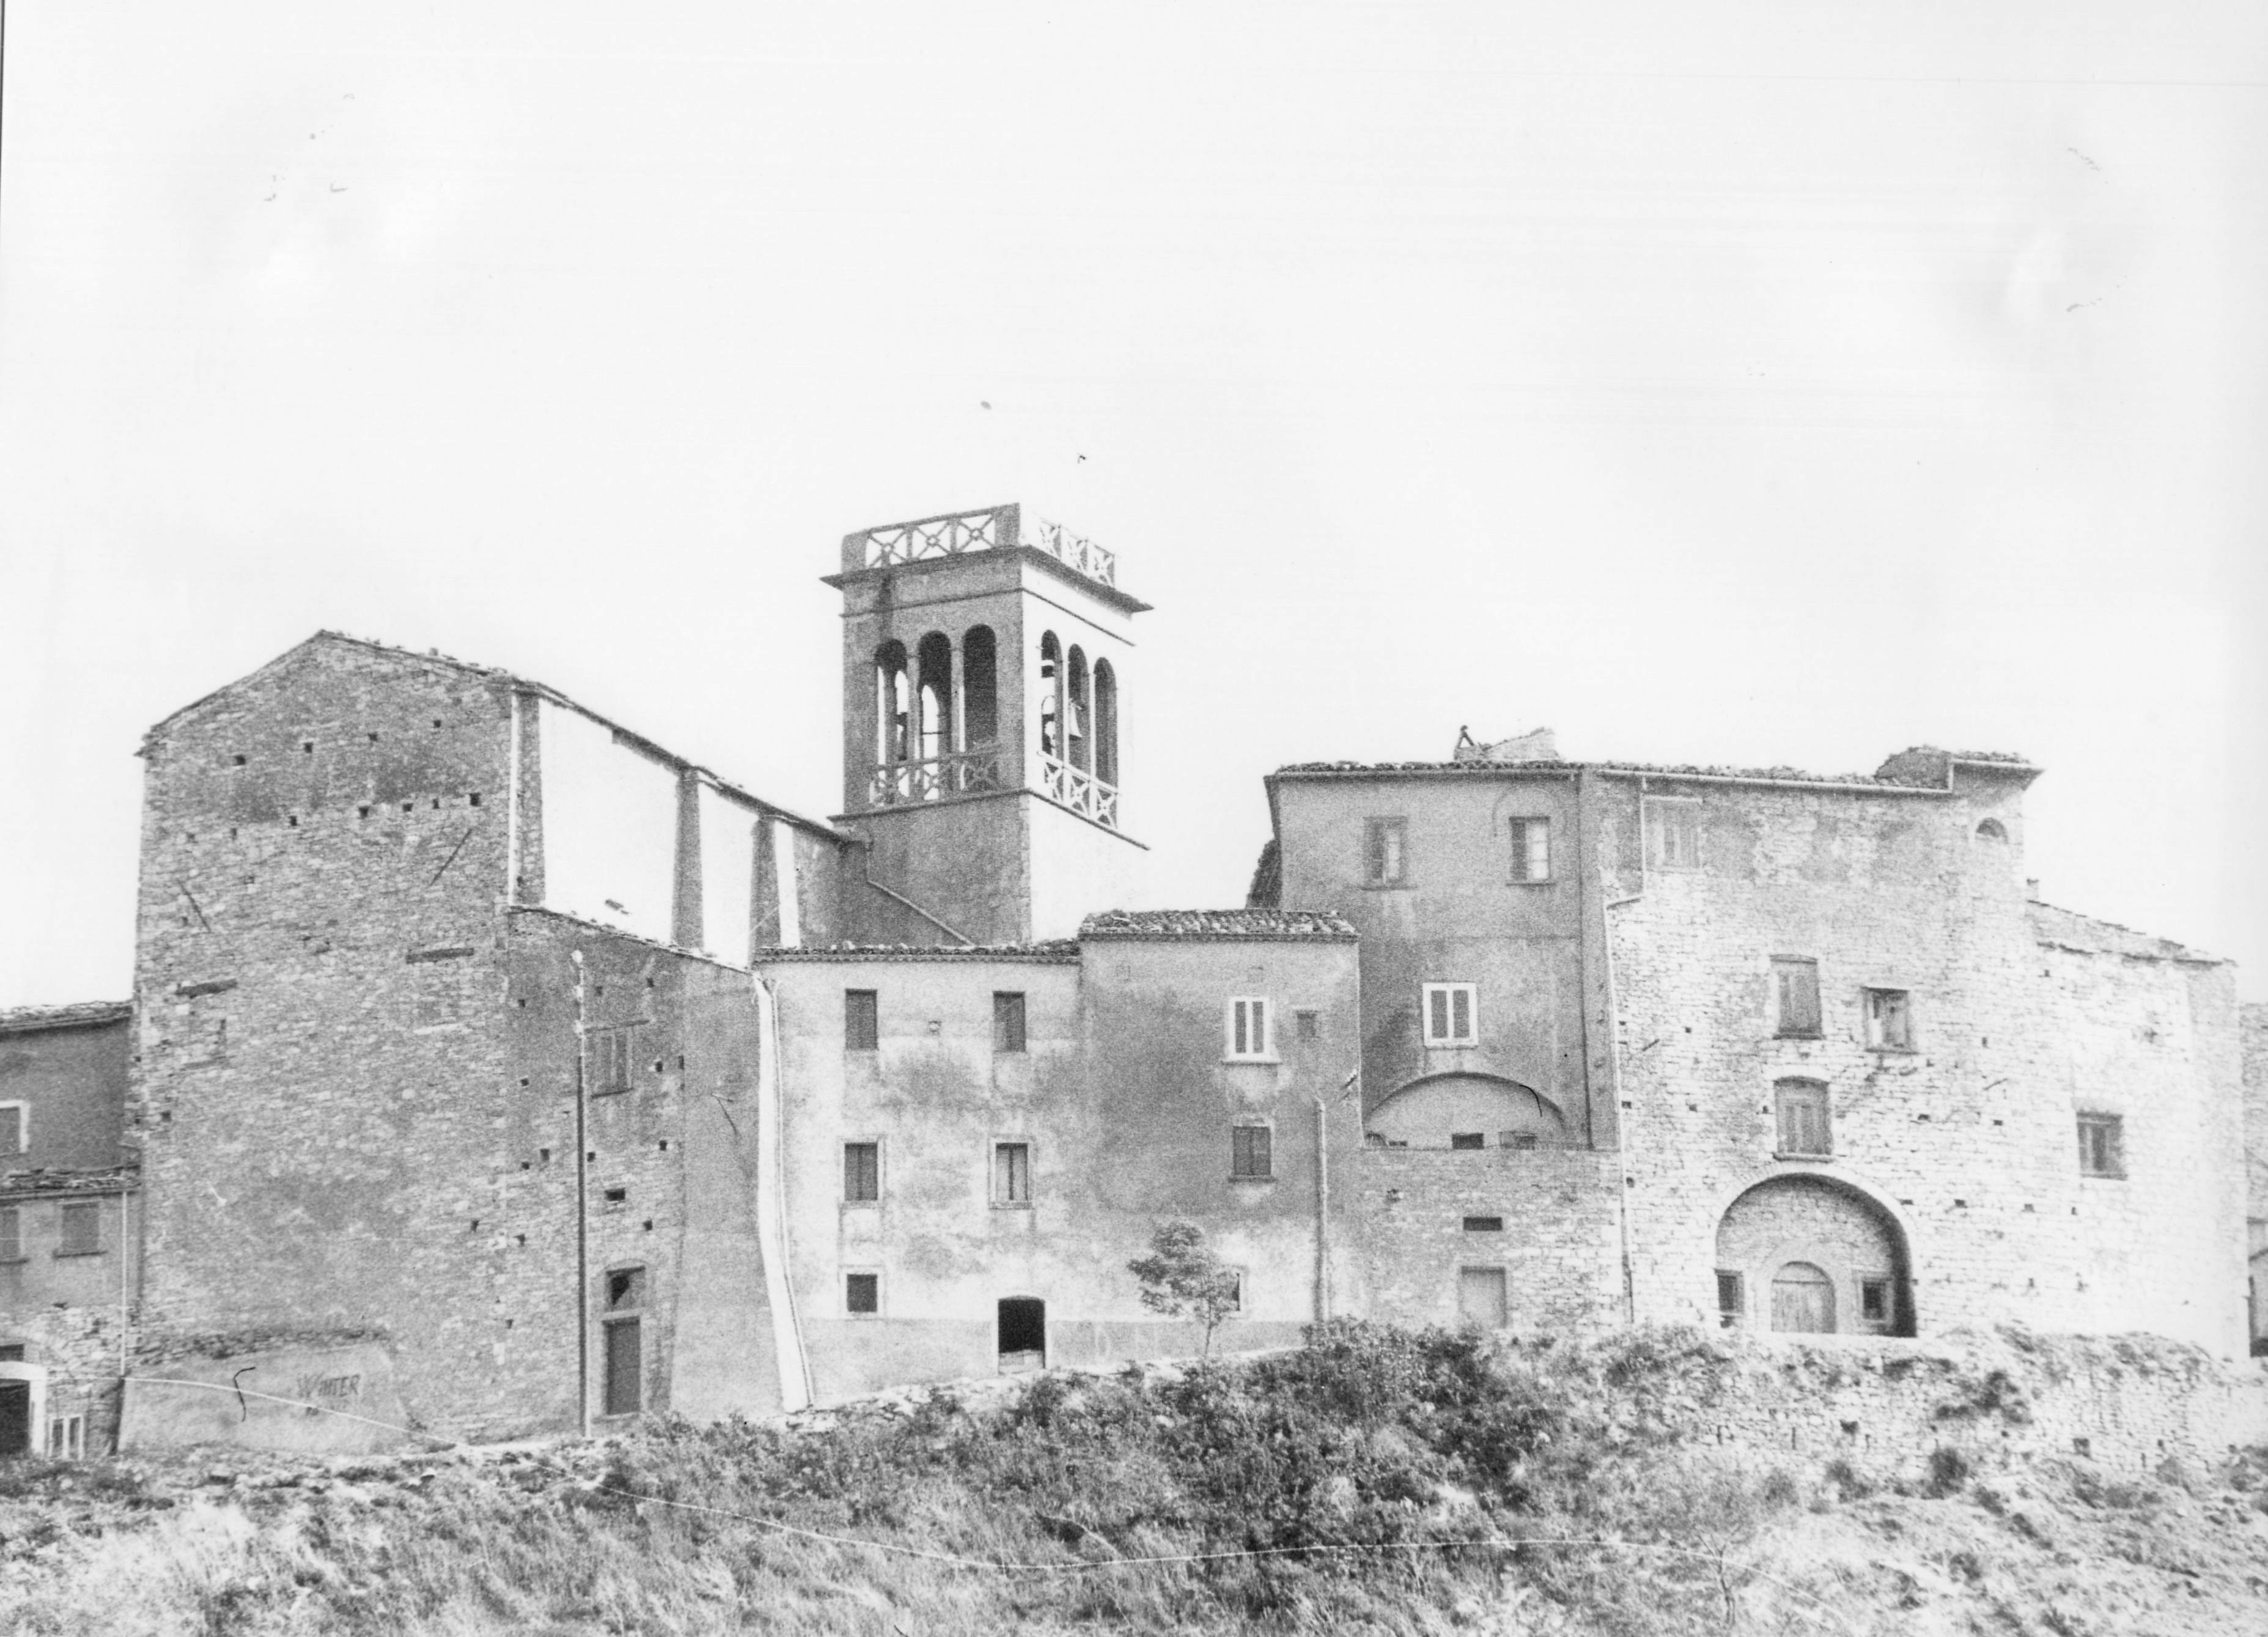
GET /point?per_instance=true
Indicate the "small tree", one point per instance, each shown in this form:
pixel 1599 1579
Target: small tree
pixel 1183 1278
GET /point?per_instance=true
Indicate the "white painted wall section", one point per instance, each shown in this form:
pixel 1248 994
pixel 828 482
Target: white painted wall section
pixel 785 874
pixel 728 873
pixel 609 825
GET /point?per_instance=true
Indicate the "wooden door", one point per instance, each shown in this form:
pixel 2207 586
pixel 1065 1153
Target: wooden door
pixel 1803 1298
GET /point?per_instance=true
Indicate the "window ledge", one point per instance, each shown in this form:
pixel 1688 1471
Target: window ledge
pixel 2084 1177
pixel 1268 1178
pixel 1262 1062
pixel 1798 1034
pixel 1011 1205
pixel 1387 886
pixel 860 1205
pixel 1896 1051
pixel 1453 1045
pixel 13 1261
pixel 1790 1154
pixel 1532 881
pixel 95 1252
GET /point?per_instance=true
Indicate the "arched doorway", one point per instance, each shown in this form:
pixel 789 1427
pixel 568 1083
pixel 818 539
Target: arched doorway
pixel 1808 1255
pixel 1023 1329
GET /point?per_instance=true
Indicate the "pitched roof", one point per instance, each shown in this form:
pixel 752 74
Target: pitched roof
pixel 1910 770
pixel 1254 924
pixel 1051 952
pixel 79 1015
pixel 2068 929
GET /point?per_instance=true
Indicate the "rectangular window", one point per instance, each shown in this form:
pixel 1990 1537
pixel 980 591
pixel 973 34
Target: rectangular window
pixel 1889 1020
pixel 1531 849
pixel 11 1233
pixel 1795 996
pixel 1452 1014
pixel 862 1026
pixel 1517 1139
pixel 82 1234
pixel 625 1289
pixel 1385 853
pixel 1012 1173
pixel 1874 1302
pixel 1803 1125
pixel 11 1128
pixel 1732 1302
pixel 862 1293
pixel 625 1354
pixel 1007 1021
pixel 1485 1225
pixel 1673 835
pixel 1247 1027
pixel 613 1060
pixel 1308 1024
pixel 2102 1145
pixel 1236 1294
pixel 67 1438
pixel 1251 1151
pixel 1468 1140
pixel 862 1172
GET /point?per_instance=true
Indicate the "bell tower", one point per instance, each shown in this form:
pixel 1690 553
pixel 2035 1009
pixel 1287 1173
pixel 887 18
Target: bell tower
pixel 986 658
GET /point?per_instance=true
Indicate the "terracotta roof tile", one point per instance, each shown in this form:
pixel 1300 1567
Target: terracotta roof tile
pixel 79 1015
pixel 1260 924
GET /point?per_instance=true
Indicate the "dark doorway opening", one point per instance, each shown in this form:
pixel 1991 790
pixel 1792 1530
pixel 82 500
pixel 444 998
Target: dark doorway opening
pixel 1023 1333
pixel 15 1417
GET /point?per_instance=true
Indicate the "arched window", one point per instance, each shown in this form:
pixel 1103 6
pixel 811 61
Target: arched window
pixel 980 686
pixel 936 656
pixel 1106 722
pixel 893 704
pixel 1991 829
pixel 1076 715
pixel 1050 696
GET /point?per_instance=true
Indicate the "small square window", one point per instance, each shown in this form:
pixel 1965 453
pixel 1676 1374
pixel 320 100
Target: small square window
pixel 1889 1020
pixel 82 1234
pixel 862 1294
pixel 2101 1144
pixel 625 1289
pixel 1468 1140
pixel 1802 1106
pixel 1386 861
pixel 1795 996
pixel 1008 1022
pixel 1307 1023
pixel 862 1172
pixel 1485 1225
pixel 1247 1028
pixel 862 1028
pixel 1875 1302
pixel 1672 834
pixel 1012 1173
pixel 1531 849
pixel 1251 1151
pixel 1452 1014
pixel 1732 1302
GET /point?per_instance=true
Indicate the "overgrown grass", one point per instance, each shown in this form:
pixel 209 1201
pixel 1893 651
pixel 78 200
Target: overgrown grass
pixel 1373 1480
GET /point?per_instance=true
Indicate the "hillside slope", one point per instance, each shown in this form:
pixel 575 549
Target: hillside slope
pixel 1373 1480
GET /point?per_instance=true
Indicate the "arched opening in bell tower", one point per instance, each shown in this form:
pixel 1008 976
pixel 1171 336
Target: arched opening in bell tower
pixel 1076 713
pixel 1106 722
pixel 980 686
pixel 1050 696
pixel 893 706
pixel 935 655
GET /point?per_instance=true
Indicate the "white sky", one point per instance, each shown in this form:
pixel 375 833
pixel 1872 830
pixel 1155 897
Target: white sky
pixel 1757 384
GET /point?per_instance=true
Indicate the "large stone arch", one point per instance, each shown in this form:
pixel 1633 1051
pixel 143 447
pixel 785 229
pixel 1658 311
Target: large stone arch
pixel 1428 1113
pixel 1806 1247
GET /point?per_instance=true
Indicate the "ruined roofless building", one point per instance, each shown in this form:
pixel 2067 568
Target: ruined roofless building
pixel 498 1067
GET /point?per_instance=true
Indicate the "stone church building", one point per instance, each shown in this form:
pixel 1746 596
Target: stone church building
pixel 483 1044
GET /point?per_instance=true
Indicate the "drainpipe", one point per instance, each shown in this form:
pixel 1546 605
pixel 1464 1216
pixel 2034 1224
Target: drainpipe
pixel 772 1240
pixel 1322 1211
pixel 1615 1054
pixel 581 1220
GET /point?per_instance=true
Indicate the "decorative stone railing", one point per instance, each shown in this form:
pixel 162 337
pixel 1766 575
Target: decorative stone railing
pixel 1081 791
pixel 965 773
pixel 995 528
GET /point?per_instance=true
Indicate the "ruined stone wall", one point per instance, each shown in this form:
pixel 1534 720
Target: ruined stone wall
pixel 1559 1242
pixel 2128 1404
pixel 322 1074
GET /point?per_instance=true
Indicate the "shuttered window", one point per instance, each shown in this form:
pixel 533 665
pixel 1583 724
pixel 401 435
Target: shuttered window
pixel 2102 1145
pixel 1803 1123
pixel 1007 1021
pixel 1531 849
pixel 1673 835
pixel 1012 1173
pixel 861 1021
pixel 1889 1020
pixel 1385 853
pixel 1795 995
pixel 862 1172
pixel 1247 1027
pixel 1251 1151
pixel 1451 1014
